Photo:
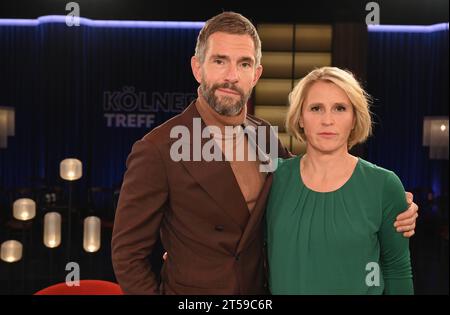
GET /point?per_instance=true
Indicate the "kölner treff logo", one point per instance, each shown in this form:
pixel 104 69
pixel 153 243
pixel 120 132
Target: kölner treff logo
pixel 261 144
pixel 130 108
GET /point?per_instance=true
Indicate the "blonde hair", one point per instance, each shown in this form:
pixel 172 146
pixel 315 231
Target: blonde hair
pixel 230 23
pixel 346 81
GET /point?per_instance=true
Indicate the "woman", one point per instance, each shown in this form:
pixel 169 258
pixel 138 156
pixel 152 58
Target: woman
pixel 330 214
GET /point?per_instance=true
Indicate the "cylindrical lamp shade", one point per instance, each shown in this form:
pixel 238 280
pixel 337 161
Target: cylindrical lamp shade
pixel 70 169
pixel 91 236
pixel 52 229
pixel 24 209
pixel 11 251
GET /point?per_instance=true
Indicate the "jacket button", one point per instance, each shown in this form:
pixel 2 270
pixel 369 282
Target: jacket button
pixel 237 257
pixel 219 228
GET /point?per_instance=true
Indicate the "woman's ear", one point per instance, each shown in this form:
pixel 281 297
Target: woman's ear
pixel 300 122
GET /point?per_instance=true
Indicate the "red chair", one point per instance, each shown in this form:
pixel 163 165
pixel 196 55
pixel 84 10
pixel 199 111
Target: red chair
pixel 86 287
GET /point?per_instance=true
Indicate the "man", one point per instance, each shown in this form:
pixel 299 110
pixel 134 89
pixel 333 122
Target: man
pixel 209 214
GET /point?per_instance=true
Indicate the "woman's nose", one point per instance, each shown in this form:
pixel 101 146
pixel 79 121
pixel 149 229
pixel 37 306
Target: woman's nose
pixel 327 118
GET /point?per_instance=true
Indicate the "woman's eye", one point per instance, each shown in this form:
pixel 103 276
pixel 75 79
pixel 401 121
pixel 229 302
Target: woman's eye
pixel 315 108
pixel 341 108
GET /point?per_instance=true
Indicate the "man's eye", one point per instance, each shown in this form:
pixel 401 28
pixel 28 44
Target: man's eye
pixel 218 61
pixel 246 65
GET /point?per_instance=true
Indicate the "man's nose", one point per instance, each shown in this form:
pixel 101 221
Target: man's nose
pixel 232 74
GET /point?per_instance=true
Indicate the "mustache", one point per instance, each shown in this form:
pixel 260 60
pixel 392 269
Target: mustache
pixel 228 86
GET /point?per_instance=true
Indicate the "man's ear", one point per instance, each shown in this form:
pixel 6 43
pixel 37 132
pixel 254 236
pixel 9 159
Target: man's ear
pixel 258 73
pixel 196 69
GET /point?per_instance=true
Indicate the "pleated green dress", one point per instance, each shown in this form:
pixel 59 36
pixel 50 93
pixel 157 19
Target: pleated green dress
pixel 340 242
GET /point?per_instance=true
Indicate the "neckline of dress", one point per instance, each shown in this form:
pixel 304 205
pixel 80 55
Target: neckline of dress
pixel 331 191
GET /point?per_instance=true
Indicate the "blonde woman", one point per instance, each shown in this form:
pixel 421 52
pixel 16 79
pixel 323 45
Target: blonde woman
pixel 330 215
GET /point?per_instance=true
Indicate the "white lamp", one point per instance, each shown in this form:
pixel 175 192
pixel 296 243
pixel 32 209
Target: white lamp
pixel 435 135
pixel 91 235
pixel 70 169
pixel 52 229
pixel 7 125
pixel 11 251
pixel 24 209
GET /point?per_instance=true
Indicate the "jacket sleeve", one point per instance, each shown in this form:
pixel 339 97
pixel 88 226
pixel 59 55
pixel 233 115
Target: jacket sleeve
pixel 138 218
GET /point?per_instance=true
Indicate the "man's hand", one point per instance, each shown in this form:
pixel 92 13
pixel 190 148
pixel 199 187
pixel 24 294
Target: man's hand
pixel 406 221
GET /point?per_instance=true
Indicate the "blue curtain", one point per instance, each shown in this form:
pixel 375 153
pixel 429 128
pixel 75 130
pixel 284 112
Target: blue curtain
pixel 88 92
pixel 408 78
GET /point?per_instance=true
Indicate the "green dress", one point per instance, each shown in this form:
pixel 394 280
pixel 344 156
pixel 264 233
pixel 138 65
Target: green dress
pixel 339 242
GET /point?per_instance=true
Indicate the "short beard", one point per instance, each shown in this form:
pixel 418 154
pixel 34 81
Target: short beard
pixel 227 107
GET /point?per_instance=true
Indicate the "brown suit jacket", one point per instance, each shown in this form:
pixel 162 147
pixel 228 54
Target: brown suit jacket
pixel 215 245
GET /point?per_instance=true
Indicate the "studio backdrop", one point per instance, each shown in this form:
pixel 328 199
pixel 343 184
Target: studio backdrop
pixel 88 92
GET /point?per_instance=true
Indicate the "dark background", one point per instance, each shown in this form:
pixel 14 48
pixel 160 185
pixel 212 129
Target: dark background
pixel 407 12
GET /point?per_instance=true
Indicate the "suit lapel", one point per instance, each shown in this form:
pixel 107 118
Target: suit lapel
pixel 257 215
pixel 218 181
pixel 216 177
